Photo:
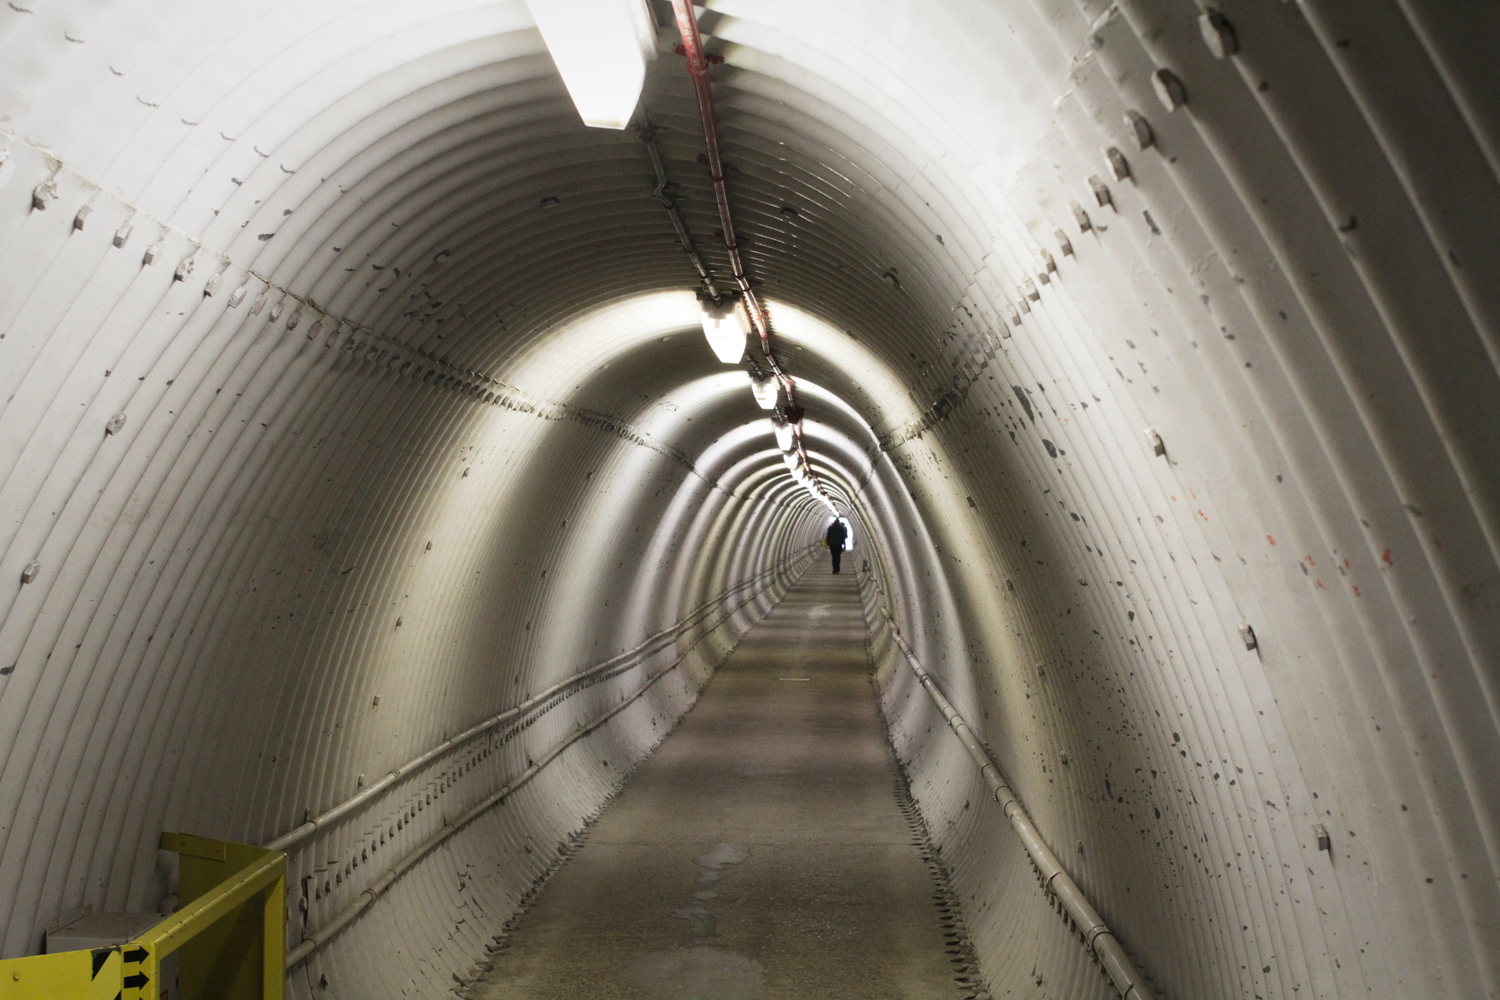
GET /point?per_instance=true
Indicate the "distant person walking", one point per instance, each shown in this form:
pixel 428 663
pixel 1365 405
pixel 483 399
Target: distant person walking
pixel 837 535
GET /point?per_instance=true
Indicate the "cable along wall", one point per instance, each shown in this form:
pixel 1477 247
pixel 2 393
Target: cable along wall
pixel 1135 359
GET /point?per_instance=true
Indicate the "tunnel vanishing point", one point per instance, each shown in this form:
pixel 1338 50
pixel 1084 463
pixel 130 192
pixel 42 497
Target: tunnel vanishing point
pixel 371 494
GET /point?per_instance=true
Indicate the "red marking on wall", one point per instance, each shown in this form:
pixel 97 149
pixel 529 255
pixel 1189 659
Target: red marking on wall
pixel 1356 591
pixel 1346 564
pixel 1439 543
pixel 1319 585
pixel 1201 514
pixel 1310 561
pixel 1174 499
pixel 1270 539
pixel 1386 557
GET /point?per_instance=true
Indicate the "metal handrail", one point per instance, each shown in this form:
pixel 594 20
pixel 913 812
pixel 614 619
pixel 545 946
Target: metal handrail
pixel 375 890
pixel 1126 978
pixel 653 644
pixel 370 894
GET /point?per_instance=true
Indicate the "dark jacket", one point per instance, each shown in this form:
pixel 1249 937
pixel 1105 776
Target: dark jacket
pixel 837 533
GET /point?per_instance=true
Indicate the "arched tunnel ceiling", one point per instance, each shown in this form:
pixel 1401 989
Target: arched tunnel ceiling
pixel 353 394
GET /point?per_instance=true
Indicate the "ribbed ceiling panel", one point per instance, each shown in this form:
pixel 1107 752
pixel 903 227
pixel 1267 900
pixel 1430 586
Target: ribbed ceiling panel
pixel 353 397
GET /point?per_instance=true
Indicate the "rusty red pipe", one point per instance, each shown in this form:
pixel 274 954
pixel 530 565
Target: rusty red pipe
pixel 692 47
pixel 697 60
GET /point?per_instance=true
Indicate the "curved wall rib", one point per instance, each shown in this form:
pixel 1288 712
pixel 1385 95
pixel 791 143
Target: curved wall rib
pixel 359 283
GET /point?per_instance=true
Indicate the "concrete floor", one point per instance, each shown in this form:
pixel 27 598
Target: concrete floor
pixel 760 852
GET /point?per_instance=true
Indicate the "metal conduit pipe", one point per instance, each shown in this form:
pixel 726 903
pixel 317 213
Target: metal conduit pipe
pixel 1054 878
pixel 692 46
pixel 647 133
pixel 373 892
pixel 628 659
pixel 1096 934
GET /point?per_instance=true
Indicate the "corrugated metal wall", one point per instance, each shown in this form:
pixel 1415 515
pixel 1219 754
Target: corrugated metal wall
pixel 351 396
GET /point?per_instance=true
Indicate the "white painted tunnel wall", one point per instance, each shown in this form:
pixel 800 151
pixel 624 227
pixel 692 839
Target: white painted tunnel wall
pixel 1293 286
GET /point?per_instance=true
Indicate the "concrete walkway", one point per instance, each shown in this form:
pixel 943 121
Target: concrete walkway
pixel 760 852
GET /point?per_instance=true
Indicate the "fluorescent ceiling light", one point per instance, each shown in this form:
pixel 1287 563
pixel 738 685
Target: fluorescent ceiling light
pixel 725 330
pixel 600 48
pixel 765 391
pixel 784 435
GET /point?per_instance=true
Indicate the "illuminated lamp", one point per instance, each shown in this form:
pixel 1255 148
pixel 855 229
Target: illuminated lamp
pixel 764 390
pixel 600 48
pixel 784 435
pixel 725 327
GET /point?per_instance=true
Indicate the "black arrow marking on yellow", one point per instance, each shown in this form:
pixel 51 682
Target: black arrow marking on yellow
pixel 136 956
pixel 136 982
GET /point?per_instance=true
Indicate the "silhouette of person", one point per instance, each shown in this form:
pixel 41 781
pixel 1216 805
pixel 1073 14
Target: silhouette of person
pixel 836 536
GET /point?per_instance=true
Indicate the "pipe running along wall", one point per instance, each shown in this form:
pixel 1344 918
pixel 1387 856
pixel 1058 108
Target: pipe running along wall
pixel 352 398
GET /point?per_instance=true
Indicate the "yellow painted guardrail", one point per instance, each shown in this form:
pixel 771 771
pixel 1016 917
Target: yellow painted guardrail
pixel 229 935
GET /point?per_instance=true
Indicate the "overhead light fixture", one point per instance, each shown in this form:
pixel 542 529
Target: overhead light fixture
pixel 600 48
pixel 784 435
pixel 764 390
pixel 726 329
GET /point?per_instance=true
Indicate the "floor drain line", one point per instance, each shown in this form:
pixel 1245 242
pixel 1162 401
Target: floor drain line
pixel 962 959
pixel 570 845
pixel 499 943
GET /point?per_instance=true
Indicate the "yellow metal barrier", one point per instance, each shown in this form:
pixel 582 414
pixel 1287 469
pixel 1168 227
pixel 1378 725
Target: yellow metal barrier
pixel 94 975
pixel 229 933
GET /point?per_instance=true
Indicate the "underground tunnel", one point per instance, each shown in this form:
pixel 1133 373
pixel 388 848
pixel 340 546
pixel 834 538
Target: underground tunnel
pixel 396 467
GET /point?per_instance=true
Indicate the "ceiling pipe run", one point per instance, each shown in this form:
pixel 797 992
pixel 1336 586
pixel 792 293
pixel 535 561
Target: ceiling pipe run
pixel 662 191
pixel 698 61
pixel 692 46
